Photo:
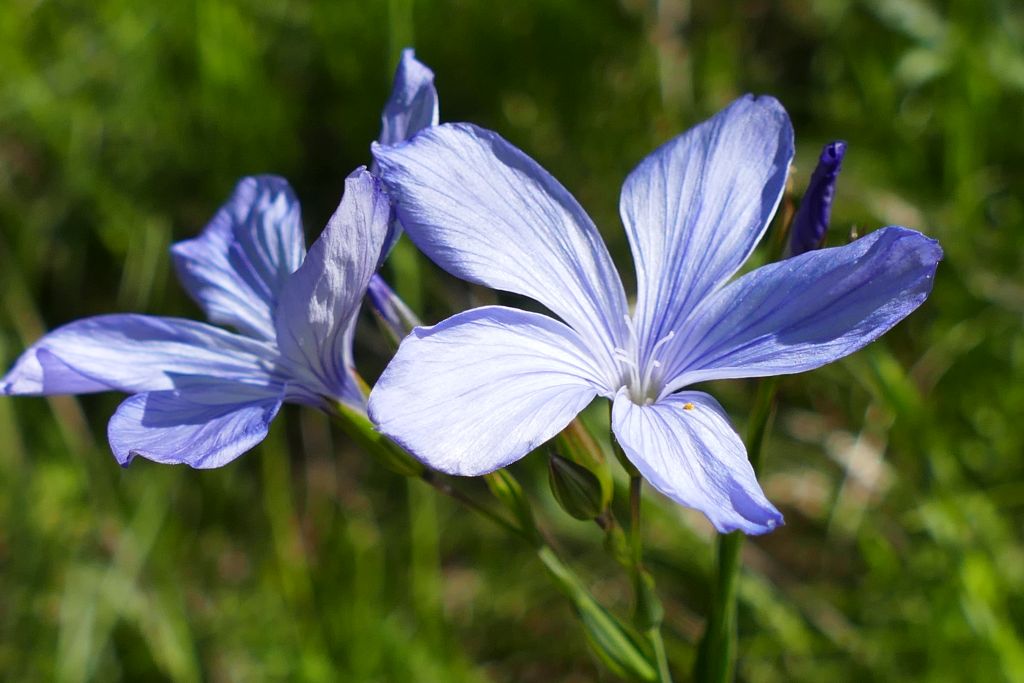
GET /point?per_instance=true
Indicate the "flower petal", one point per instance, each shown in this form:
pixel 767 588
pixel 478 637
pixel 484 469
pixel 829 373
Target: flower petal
pixel 483 388
pixel 684 445
pixel 487 213
pixel 133 353
pixel 392 313
pixel 696 207
pixel 203 427
pixel 806 311
pixel 236 267
pixel 319 303
pixel 413 102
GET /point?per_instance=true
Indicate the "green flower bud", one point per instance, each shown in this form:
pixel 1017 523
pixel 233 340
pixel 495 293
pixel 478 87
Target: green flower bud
pixel 576 488
pixel 576 444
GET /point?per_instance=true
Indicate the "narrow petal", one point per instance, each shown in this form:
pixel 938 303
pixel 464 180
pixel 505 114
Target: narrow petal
pixel 203 427
pixel 320 302
pixel 810 225
pixel 411 108
pixel 809 310
pixel 390 310
pixel 133 353
pixel 413 102
pixel 685 446
pixel 487 213
pixel 237 266
pixel 483 388
pixel 696 207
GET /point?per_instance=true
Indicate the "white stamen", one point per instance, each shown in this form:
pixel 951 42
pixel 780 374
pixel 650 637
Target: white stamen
pixel 642 382
pixel 664 340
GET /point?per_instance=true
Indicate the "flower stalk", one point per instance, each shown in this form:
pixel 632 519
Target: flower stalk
pixel 716 656
pixel 648 612
pixel 614 642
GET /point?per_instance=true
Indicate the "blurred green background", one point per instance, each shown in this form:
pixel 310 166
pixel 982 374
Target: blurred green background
pixel 124 125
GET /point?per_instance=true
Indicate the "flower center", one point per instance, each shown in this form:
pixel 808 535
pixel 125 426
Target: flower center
pixel 644 384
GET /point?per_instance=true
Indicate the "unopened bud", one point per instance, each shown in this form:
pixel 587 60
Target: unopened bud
pixel 811 222
pixel 576 444
pixel 575 487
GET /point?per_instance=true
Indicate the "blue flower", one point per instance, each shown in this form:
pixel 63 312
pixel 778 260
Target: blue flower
pixel 810 225
pixel 484 387
pixel 204 395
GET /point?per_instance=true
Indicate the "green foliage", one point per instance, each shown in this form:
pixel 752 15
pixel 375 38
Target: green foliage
pixel 124 125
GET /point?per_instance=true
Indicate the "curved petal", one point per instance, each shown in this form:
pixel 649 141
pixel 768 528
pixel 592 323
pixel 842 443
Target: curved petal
pixel 696 207
pixel 133 353
pixel 412 105
pixel 203 427
pixel 320 302
pixel 236 267
pixel 483 388
pixel 684 445
pixel 809 310
pixel 395 317
pixel 487 213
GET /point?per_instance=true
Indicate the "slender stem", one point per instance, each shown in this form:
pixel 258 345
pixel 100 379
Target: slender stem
pixel 717 654
pixel 611 641
pixel 660 656
pixel 635 540
pixel 444 486
pixel 648 607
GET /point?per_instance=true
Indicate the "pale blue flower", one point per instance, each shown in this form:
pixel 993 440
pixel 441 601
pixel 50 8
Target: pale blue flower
pixel 204 395
pixel 485 387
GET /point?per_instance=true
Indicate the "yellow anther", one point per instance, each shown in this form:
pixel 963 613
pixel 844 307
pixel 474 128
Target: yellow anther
pixel 687 406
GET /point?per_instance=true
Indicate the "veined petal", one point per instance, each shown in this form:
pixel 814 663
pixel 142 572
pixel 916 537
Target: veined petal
pixel 411 108
pixel 237 266
pixel 413 102
pixel 201 426
pixel 809 310
pixel 685 447
pixel 133 353
pixel 696 207
pixel 319 303
pixel 483 388
pixel 487 213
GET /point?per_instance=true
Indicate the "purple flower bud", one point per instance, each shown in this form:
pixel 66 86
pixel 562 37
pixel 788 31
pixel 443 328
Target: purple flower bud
pixel 811 222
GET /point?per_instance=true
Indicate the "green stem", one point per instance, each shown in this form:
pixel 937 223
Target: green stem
pixel 660 656
pixel 442 485
pixel 649 612
pixel 635 540
pixel 716 657
pixel 614 643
